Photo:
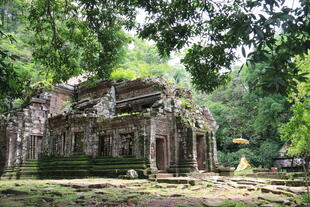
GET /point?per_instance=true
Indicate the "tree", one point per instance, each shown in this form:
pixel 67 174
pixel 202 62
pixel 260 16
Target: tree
pixel 20 77
pixel 297 130
pixel 241 111
pixel 9 87
pixel 142 59
pixel 72 37
pixel 214 30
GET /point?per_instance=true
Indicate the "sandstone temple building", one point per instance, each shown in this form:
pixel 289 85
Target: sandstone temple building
pixel 106 128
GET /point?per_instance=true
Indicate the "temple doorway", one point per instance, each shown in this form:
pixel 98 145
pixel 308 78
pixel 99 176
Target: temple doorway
pixel 78 143
pixel 161 153
pixel 200 152
pixel 105 146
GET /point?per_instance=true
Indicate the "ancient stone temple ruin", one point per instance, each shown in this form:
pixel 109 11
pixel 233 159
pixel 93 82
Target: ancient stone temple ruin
pixel 106 128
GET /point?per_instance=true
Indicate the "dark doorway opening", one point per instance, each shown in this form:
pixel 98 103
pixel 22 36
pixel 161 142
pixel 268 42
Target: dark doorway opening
pixel 161 156
pixel 78 143
pixel 200 152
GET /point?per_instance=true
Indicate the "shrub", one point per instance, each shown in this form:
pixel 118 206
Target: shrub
pixel 232 159
pixel 123 74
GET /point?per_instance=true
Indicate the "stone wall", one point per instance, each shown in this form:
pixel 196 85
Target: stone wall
pixel 93 91
pixel 58 101
pixel 25 128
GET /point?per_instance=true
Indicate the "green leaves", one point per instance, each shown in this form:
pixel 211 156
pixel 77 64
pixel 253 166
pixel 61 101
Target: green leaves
pixel 242 111
pixel 297 130
pixel 203 59
pixel 222 28
pixel 77 36
pixel 10 82
pixel 86 35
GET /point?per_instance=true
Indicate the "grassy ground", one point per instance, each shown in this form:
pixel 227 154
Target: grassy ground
pixel 243 172
pixel 117 192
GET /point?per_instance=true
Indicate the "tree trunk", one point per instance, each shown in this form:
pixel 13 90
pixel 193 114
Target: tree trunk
pixel 2 15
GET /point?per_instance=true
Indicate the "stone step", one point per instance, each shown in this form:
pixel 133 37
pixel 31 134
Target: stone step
pixel 177 180
pixel 295 183
pixel 274 190
pixel 240 179
pixel 273 199
pixel 246 183
pixel 296 190
pixel 163 175
pixel 207 174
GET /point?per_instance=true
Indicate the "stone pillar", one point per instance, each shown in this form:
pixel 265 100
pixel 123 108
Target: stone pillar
pixel 28 125
pixel 210 150
pixel 140 139
pixel 193 152
pixel 152 142
pixel 207 158
pixel 12 140
pixel 174 149
pixel 94 141
pixel 70 135
pixel 89 147
pixel 216 162
pixel 186 161
pixel 116 143
pixel 146 144
pixel 212 155
pixel 19 139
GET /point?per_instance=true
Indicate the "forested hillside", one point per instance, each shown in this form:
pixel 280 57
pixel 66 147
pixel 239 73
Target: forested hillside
pixel 47 42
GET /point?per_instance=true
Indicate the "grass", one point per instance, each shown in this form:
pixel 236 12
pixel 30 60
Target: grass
pixel 113 192
pixel 232 204
pixel 34 193
pixel 39 193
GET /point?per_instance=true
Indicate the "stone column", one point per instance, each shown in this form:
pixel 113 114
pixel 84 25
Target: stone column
pixel 174 149
pixel 12 140
pixel 187 162
pixel 19 140
pixel 116 143
pixel 214 153
pixel 194 147
pixel 207 156
pixel 210 152
pixel 89 147
pixel 152 146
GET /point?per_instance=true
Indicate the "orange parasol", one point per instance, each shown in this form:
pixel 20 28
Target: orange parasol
pixel 241 141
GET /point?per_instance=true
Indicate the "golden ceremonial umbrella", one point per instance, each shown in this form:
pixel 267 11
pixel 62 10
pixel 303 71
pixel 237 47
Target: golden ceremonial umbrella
pixel 243 162
pixel 241 141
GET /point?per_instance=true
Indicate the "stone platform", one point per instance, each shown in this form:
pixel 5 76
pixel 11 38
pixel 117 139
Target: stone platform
pixel 79 166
